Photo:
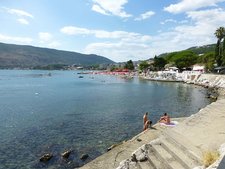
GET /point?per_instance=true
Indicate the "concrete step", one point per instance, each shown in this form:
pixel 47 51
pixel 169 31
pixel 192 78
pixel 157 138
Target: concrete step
pixel 178 154
pixel 183 144
pixel 156 163
pixel 165 157
pixel 146 165
pixel 214 109
pixel 128 164
pixel 170 151
pixel 134 166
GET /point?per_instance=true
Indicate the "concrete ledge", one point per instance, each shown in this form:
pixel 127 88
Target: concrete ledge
pixel 111 159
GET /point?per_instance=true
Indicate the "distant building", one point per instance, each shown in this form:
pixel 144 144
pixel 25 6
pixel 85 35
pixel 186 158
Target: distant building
pixel 174 69
pixel 198 68
pixel 79 67
pixel 220 70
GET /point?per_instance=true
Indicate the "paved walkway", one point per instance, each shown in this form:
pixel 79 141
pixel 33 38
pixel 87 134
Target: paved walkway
pixel 178 147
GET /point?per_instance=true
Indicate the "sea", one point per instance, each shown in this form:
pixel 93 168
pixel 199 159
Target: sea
pixel 54 111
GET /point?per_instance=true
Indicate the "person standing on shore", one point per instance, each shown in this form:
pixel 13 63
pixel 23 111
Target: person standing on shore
pixel 145 118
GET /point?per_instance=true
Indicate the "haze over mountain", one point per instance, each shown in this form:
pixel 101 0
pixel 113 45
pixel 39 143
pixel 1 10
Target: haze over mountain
pixel 22 56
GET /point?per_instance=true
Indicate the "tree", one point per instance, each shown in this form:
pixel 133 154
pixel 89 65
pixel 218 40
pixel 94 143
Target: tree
pixel 159 62
pixel 208 60
pixel 144 66
pixel 223 51
pixel 183 59
pixel 113 68
pixel 220 34
pixel 129 65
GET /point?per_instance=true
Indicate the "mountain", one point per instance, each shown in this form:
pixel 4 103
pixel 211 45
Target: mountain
pixel 22 56
pixel 196 50
pixel 203 49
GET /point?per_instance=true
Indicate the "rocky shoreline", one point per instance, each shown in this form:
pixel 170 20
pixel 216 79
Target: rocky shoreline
pixel 215 84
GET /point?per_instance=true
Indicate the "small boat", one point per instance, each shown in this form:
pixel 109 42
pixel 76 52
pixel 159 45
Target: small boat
pixel 84 72
pixel 81 76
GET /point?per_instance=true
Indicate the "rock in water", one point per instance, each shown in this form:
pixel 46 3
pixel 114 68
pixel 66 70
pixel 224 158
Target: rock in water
pixel 66 154
pixel 84 156
pixel 46 157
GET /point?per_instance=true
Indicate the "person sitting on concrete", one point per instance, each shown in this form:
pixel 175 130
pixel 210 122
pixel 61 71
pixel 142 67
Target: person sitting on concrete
pixel 165 119
pixel 148 124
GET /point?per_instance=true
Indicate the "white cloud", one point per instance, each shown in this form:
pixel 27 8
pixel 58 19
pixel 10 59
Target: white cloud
pixel 72 30
pixel 206 22
pixel 126 45
pixel 168 20
pixel 125 36
pixel 102 34
pixel 119 51
pixel 199 32
pixel 111 7
pixel 46 39
pixel 98 9
pixel 45 36
pixel 23 21
pixel 18 12
pixel 190 5
pixel 15 39
pixel 145 15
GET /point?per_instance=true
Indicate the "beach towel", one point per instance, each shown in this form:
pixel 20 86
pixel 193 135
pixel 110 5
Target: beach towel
pixel 172 123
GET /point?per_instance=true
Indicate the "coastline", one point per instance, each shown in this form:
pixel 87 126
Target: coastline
pixel 211 120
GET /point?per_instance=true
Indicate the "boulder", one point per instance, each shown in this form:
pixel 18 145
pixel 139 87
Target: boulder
pixel 66 154
pixel 46 157
pixel 124 164
pixel 84 156
pixel 140 154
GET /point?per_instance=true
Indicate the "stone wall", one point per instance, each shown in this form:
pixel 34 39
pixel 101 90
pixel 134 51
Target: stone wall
pixel 211 80
pixel 208 80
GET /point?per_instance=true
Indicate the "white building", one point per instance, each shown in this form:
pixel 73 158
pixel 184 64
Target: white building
pixel 199 68
pixel 174 69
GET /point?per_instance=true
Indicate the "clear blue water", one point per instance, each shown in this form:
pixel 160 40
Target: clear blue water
pixel 41 113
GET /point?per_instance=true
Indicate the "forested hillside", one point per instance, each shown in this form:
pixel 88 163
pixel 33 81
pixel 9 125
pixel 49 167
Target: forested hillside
pixel 20 56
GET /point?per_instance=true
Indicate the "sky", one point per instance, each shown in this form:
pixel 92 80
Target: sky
pixel 120 30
